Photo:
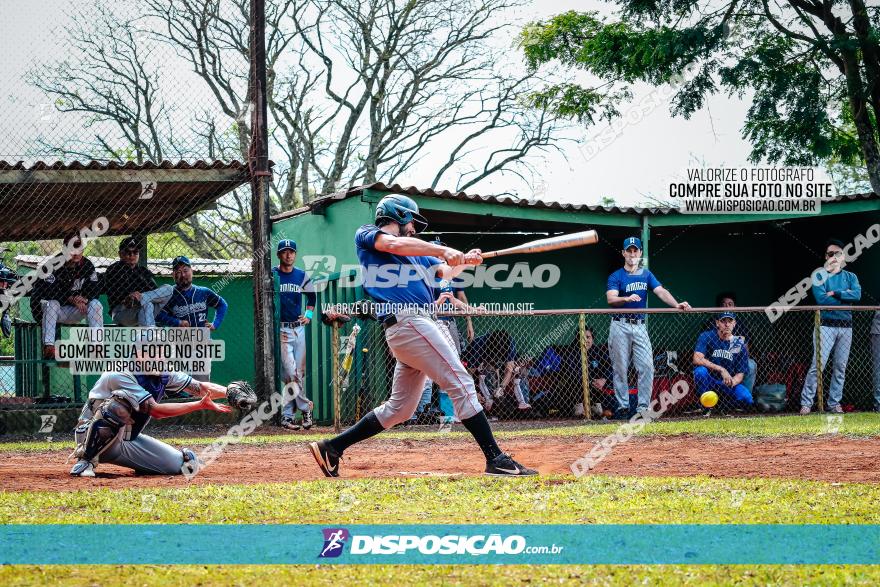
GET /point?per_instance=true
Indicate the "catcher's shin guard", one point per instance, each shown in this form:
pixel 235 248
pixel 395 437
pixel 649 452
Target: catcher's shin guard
pixel 111 417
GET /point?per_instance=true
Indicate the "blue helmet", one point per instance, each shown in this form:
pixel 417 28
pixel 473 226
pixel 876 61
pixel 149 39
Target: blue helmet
pixel 402 210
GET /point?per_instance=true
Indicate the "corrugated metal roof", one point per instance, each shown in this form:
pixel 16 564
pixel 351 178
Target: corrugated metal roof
pixel 507 200
pixel 50 200
pixel 324 201
pixel 157 266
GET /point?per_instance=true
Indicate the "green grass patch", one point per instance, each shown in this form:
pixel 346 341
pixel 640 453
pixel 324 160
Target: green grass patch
pixel 543 500
pixel 606 500
pixel 857 425
pixel 671 575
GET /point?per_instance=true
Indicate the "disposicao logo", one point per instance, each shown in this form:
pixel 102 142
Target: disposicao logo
pixel 334 542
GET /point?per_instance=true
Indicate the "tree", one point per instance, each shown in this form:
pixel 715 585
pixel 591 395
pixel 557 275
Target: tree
pixel 113 85
pixel 810 65
pixel 359 92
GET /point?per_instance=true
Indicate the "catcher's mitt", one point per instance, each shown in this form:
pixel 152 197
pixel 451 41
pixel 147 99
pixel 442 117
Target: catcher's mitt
pixel 241 395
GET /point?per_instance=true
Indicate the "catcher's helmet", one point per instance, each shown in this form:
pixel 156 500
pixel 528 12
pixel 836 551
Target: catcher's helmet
pixel 402 210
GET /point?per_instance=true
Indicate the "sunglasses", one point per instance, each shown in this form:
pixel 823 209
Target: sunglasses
pixel 831 254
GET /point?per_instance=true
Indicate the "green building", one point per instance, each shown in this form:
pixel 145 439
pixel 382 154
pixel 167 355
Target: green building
pixel 695 256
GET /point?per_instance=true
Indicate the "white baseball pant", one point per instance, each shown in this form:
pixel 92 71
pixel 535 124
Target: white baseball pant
pixel 54 313
pixel 422 350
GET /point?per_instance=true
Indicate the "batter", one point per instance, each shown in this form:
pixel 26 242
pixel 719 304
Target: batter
pixel 405 269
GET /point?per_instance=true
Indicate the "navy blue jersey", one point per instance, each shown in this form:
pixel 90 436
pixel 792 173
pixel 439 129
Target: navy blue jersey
pixel 154 384
pixel 394 278
pixel 291 288
pixel 626 284
pixel 192 305
pixel 599 362
pixel 730 354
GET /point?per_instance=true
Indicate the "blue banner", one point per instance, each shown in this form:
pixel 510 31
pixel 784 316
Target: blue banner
pixel 439 544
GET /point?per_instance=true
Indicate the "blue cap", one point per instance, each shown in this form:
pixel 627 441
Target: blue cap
pixel 723 315
pixel 286 244
pixel 180 260
pixel 632 242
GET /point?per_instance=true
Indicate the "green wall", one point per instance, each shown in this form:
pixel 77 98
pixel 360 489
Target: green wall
pixel 583 278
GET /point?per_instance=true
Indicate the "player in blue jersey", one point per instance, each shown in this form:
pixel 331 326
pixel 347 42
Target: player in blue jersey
pixel 400 272
pixel 721 361
pixel 292 284
pixel 188 306
pixel 628 339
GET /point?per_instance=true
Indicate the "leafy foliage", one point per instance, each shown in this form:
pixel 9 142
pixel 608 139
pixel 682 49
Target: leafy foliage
pixel 813 78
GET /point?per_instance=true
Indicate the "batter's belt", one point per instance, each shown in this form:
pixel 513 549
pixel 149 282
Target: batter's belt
pixel 392 319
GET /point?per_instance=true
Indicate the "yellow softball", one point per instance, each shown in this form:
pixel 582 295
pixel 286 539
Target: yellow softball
pixel 709 399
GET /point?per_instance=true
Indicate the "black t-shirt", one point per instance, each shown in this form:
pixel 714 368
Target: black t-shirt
pixel 121 280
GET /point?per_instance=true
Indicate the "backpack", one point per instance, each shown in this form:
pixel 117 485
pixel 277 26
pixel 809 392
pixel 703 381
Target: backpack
pixel 771 397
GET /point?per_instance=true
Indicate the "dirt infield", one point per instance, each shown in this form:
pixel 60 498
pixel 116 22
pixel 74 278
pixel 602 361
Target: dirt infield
pixel 825 459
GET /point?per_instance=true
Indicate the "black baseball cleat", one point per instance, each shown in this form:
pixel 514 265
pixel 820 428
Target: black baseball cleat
pixel 504 466
pixel 326 457
pixel 621 414
pixel 307 420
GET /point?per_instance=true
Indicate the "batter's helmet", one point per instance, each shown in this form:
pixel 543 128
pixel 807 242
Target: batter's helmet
pixel 402 210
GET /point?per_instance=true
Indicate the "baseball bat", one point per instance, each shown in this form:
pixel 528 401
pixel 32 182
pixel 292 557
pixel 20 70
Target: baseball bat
pixel 563 241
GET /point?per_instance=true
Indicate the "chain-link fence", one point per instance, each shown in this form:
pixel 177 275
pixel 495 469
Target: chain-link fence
pixel 130 153
pixel 108 247
pixel 536 366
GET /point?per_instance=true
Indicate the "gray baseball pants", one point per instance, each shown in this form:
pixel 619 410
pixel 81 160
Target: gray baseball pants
pixel 630 342
pixel 449 328
pixel 144 454
pixel 151 302
pixel 835 343
pixel 422 350
pixel 293 364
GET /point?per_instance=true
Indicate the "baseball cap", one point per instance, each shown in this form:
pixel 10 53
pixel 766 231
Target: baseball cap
pixel 129 243
pixel 723 315
pixel 286 244
pixel 180 260
pixel 632 242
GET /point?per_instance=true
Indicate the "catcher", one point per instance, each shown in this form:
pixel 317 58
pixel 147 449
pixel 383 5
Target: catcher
pixel 120 405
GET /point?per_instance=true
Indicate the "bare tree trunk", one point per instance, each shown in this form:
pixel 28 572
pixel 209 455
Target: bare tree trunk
pixel 871 56
pixel 859 108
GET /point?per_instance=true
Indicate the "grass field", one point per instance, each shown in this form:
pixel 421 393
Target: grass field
pixel 857 425
pixel 549 500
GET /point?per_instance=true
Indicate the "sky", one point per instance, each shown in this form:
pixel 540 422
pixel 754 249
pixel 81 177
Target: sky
pixel 638 159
